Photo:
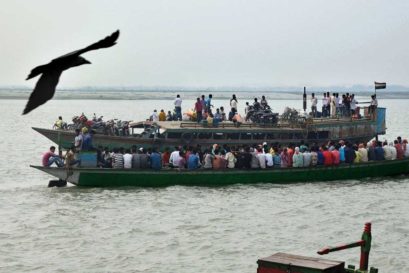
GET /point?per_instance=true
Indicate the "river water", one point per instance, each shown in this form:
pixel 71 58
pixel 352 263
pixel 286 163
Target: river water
pixel 183 229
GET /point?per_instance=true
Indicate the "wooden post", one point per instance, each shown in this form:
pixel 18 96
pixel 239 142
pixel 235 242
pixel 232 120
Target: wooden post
pixel 304 100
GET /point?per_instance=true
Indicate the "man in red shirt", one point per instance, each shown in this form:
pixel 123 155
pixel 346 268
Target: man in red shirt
pixel 327 156
pixel 50 158
pixel 335 155
pixel 198 109
pixel 399 150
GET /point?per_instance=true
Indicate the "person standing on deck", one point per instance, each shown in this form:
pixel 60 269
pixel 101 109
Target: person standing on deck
pixel 233 104
pixel 78 140
pixel 193 161
pixel 399 150
pixel 263 102
pixel 209 103
pixel 335 155
pixel 298 159
pixel 156 160
pixel 353 106
pixel 117 159
pixel 393 151
pixel 178 107
pixel 127 159
pixel 373 106
pixel 285 159
pixel 314 103
pixel 363 152
pixel 328 161
pixel 198 109
pixel 333 105
pixel 324 105
pixel 379 152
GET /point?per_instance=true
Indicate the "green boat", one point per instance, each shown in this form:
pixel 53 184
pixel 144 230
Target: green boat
pixel 164 134
pixel 98 177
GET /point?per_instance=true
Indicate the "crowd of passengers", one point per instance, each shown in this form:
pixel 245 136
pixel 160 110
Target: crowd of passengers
pixel 333 105
pixel 219 157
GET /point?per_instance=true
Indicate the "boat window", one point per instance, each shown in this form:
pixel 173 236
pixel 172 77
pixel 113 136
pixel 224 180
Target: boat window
pixel 259 136
pixel 218 136
pixel 232 136
pixel 284 136
pixel 312 135
pixel 297 136
pixel 174 135
pixel 323 134
pixel 271 136
pixel 245 136
pixel 204 136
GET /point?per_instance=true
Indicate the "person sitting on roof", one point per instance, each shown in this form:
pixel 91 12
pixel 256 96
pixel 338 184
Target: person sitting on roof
pixel 162 115
pixel 60 124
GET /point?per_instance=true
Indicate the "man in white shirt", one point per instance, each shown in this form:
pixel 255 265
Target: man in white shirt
pixel 353 105
pixel 314 102
pixel 174 158
pixel 127 159
pixel 178 107
pixel 154 116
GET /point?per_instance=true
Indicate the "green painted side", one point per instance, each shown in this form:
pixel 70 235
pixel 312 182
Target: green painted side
pixel 115 178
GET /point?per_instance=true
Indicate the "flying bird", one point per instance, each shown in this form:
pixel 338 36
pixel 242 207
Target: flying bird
pixel 50 73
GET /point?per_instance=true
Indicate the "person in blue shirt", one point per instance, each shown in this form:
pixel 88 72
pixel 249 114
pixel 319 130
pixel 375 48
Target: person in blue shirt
pixel 379 152
pixel 87 140
pixel 193 161
pixel 209 102
pixel 342 152
pixel 320 157
pixel 156 160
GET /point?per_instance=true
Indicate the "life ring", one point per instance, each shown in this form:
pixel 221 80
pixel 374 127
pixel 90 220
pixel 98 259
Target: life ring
pixel 187 137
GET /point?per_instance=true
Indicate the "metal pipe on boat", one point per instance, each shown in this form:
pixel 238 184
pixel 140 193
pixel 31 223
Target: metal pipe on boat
pixel 304 100
pixel 364 243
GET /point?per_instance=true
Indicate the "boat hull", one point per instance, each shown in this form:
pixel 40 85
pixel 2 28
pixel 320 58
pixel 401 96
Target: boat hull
pixel 95 177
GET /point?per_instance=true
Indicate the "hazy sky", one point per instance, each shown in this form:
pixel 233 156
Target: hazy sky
pixel 210 43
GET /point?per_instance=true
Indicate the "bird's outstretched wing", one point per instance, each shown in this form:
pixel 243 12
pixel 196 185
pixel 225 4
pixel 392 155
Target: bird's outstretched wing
pixel 44 90
pixel 104 43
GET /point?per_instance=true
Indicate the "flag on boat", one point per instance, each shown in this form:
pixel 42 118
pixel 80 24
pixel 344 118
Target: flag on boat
pixel 380 85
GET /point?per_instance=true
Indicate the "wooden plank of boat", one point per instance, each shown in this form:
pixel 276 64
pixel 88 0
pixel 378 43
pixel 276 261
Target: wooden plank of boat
pixel 97 177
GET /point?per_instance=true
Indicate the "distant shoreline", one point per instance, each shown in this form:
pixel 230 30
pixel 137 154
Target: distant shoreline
pixel 170 95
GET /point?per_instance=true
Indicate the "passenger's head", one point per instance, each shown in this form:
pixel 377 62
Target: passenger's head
pixel 177 96
pixel 52 149
pixel 77 131
pixel 210 96
pixel 60 117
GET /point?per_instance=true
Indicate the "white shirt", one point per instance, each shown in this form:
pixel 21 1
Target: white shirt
pixel 269 159
pixel 127 161
pixel 178 102
pixel 154 116
pixel 174 158
pixel 233 104
pixel 314 101
pixel 78 142
pixel 353 104
pixel 262 159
